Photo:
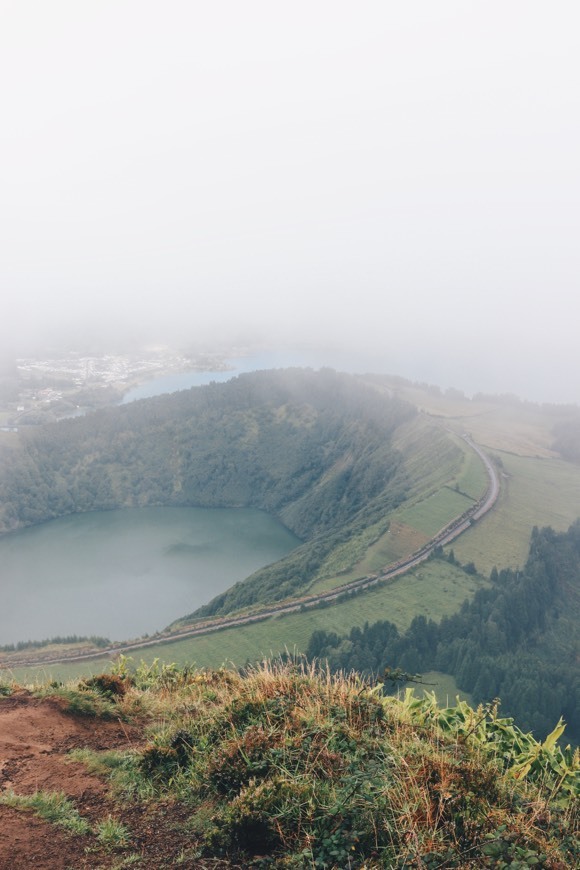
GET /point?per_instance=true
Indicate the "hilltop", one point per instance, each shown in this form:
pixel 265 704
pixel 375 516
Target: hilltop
pixel 280 766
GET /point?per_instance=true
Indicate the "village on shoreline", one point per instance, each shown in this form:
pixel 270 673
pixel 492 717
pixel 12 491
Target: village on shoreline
pixel 47 389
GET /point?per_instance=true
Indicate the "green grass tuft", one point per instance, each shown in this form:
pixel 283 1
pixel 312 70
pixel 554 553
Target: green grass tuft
pixel 112 833
pixel 122 768
pixel 82 701
pixel 53 807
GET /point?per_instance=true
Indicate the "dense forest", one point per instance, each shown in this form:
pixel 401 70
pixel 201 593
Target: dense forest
pixel 311 448
pixel 517 640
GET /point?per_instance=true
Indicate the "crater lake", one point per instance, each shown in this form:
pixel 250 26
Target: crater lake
pixel 124 573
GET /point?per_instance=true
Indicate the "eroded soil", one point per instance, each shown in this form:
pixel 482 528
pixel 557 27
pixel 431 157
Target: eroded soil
pixel 36 736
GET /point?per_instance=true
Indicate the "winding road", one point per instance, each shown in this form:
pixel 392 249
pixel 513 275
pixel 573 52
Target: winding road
pixel 447 534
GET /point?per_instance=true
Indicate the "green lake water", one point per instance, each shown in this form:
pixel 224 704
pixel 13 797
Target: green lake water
pixel 128 572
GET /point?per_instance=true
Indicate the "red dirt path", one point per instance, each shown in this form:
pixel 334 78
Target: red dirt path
pixel 36 736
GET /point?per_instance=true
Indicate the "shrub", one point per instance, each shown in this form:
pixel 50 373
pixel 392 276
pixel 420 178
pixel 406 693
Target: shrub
pixel 110 685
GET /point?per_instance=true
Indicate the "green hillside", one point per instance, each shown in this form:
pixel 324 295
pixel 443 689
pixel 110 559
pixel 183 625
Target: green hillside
pixel 355 472
pixel 518 639
pixel 537 447
pixel 313 449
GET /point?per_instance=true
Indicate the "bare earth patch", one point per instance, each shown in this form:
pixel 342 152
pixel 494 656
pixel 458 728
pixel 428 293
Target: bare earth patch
pixel 36 736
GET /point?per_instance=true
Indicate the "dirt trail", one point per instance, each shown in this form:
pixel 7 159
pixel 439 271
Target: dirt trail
pixel 36 736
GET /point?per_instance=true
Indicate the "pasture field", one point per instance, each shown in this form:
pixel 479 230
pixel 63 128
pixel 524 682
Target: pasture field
pixel 409 529
pixel 472 479
pixel 435 512
pixel 445 688
pixel 447 477
pixel 434 589
pixel 534 492
pixel 39 676
pixel 537 488
pixel 494 422
pixel 521 429
pixel 398 541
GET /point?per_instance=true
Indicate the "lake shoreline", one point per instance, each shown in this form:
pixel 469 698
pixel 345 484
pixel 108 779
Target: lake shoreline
pixel 129 572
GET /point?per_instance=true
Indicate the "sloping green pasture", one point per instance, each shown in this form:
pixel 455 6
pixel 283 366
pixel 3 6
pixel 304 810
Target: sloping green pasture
pixel 534 492
pixel 445 478
pixel 537 488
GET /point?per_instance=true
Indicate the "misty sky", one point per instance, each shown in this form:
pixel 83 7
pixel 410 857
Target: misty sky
pixel 395 178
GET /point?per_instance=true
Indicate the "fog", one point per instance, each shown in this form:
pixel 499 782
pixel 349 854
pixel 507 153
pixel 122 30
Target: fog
pixel 387 182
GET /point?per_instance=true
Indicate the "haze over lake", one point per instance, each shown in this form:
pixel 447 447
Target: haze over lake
pixel 292 358
pixel 176 381
pixel 124 573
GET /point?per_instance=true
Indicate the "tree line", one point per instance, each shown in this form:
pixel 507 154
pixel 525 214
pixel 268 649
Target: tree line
pixel 517 640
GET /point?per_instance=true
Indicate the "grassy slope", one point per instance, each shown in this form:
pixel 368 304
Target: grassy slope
pixel 439 593
pixel 535 492
pixel 288 767
pixel 445 477
pixel 538 488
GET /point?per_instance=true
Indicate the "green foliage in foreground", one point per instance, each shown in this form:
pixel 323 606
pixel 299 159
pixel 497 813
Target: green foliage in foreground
pixel 82 701
pixel 112 833
pixel 55 807
pixel 284 766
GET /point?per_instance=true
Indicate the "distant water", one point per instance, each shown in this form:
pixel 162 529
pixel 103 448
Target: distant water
pixel 123 573
pixel 185 380
pixel 340 360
